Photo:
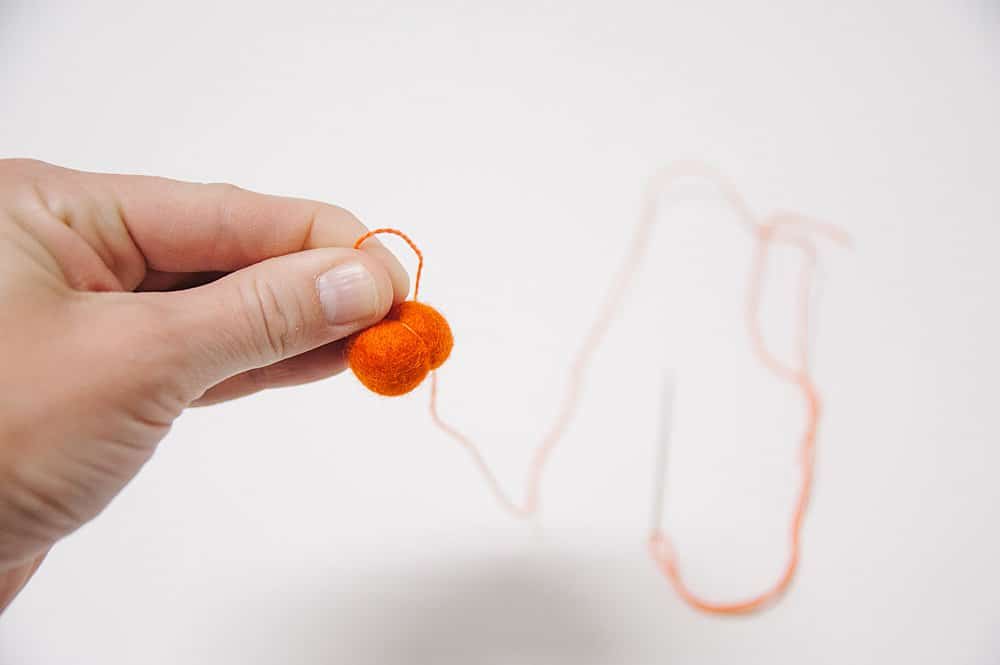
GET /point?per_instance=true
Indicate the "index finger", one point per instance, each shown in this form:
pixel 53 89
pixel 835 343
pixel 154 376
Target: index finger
pixel 192 227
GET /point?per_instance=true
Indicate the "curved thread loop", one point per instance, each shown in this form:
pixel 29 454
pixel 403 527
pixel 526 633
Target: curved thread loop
pixel 416 250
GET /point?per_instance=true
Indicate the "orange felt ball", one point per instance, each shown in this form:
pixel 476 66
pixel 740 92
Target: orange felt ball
pixel 429 325
pixel 393 356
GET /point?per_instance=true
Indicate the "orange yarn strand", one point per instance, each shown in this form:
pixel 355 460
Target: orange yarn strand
pixel 765 232
pixel 416 250
pixel 659 544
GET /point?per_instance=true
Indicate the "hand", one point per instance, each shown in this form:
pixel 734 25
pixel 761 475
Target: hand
pixel 126 299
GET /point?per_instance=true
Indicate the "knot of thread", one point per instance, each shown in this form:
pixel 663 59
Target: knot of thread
pixel 396 354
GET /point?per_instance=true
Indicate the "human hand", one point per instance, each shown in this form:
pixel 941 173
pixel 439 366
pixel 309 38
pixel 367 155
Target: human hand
pixel 126 299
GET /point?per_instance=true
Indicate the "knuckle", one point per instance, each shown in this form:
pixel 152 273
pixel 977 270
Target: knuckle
pixel 227 195
pixel 35 512
pixel 273 324
pixel 225 189
pixel 346 216
pixel 344 219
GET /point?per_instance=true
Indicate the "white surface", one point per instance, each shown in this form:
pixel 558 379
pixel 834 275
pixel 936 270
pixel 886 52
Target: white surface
pixel 321 524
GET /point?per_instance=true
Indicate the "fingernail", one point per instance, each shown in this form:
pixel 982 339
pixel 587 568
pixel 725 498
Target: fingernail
pixel 347 293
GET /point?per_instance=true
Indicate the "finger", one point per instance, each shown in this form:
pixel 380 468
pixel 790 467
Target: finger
pixel 321 363
pixel 189 227
pixel 268 312
pixel 137 223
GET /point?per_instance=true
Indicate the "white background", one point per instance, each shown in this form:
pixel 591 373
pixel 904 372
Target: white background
pixel 322 524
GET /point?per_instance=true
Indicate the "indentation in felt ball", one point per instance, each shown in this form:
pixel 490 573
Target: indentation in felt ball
pixel 393 356
pixel 429 325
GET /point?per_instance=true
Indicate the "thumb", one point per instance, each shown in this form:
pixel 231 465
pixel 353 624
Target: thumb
pixel 275 309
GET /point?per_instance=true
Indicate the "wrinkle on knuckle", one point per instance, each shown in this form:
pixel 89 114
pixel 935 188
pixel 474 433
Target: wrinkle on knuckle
pixel 226 194
pixel 228 237
pixel 42 513
pixel 272 325
pixel 310 227
pixel 224 197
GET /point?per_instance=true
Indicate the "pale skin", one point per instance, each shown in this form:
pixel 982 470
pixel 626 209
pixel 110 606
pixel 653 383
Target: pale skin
pixel 126 299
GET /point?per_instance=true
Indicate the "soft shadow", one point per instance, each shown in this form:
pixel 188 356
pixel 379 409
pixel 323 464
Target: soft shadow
pixel 511 609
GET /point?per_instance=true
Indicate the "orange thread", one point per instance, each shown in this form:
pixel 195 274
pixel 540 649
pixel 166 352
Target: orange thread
pixel 765 233
pixel 416 250
pixel 659 544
